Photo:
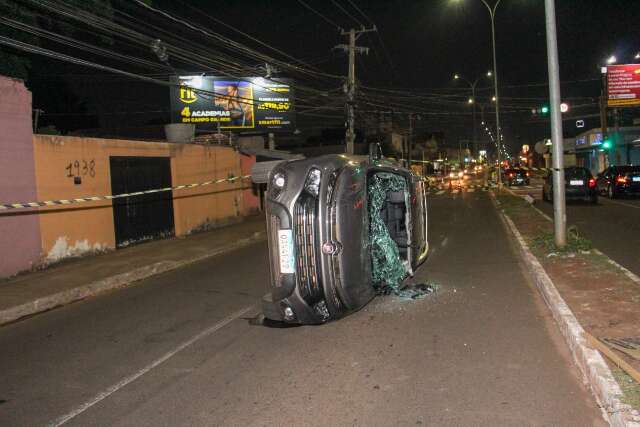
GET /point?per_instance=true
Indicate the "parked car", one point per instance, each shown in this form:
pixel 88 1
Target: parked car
pixel 619 180
pixel 516 177
pixel 326 217
pixel 579 184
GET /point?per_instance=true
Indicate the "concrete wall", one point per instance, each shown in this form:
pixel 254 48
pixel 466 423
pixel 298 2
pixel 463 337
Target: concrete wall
pixel 19 231
pixel 78 229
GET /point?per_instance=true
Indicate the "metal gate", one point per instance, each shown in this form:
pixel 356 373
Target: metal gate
pixel 147 216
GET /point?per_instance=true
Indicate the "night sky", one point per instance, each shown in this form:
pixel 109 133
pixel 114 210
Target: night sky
pixel 420 45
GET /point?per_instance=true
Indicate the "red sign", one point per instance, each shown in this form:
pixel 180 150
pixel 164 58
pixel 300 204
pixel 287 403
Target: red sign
pixel 623 83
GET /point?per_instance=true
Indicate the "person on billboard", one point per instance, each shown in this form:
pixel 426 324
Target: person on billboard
pixel 235 98
pixel 234 106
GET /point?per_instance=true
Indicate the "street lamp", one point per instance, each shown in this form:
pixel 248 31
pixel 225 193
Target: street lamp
pixel 612 60
pixel 471 101
pixel 492 15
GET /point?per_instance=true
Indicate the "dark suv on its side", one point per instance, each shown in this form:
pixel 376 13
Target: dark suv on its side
pixel 319 227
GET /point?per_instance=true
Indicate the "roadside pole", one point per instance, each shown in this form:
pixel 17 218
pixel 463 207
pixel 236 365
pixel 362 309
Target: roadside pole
pixel 410 141
pixel 559 202
pixel 350 88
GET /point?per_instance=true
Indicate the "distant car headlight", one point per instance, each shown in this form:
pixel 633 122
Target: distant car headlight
pixel 451 175
pixel 460 174
pixel 312 184
pixel 279 180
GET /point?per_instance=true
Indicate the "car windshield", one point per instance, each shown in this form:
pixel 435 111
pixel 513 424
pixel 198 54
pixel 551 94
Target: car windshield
pixel 579 173
pixel 628 170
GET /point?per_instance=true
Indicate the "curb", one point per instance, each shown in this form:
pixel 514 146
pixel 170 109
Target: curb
pixel 114 282
pixel 592 365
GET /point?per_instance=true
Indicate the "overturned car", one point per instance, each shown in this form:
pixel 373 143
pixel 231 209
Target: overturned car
pixel 341 228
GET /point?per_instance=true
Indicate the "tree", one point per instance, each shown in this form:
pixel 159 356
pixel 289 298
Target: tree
pixel 14 63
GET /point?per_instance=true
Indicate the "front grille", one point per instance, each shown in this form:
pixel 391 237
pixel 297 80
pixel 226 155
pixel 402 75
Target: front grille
pixel 305 236
pixel 334 264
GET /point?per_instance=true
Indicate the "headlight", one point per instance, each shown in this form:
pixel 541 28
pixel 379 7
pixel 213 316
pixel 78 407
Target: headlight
pixel 279 180
pixel 451 175
pixel 460 174
pixel 312 184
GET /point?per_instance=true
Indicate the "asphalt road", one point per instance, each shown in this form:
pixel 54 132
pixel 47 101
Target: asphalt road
pixel 612 225
pixel 177 349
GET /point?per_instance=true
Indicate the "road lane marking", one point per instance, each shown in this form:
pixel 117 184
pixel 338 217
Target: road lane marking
pixel 622 203
pixel 114 388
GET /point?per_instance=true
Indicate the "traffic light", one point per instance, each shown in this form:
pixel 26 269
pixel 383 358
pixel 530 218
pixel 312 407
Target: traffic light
pixel 543 110
pixel 606 144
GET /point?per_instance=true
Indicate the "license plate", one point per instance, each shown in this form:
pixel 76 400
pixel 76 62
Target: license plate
pixel 285 251
pixel 636 179
pixel 576 182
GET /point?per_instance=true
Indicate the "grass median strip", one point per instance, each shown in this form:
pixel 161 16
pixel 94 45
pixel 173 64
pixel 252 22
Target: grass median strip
pixel 602 297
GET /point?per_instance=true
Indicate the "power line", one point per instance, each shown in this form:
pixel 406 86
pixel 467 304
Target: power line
pixel 338 27
pixel 339 6
pixel 250 37
pixel 360 12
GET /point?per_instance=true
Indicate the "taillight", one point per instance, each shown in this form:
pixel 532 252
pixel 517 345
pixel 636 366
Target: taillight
pixel 528 174
pixel 621 179
pixel 592 183
pixel 510 175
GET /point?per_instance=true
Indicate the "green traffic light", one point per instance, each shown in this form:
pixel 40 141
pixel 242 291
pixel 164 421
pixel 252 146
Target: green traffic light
pixel 606 144
pixel 544 109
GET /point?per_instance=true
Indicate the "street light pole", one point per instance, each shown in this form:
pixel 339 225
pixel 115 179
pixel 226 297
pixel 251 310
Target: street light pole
pixel 559 203
pixel 472 101
pixel 492 15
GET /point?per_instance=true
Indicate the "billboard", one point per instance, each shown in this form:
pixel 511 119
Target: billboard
pixel 623 85
pixel 250 104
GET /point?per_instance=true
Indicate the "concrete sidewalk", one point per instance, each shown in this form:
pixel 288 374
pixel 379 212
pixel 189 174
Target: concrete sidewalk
pixel 76 279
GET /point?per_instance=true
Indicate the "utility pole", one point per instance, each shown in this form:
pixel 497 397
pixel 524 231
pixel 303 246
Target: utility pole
pixel 37 112
pixel 559 202
pixel 350 87
pixel 410 141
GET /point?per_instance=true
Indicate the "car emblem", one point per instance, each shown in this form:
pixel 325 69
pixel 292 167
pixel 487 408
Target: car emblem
pixel 330 248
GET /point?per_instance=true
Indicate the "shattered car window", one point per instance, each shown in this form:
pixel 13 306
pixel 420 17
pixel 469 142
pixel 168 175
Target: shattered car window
pixel 388 269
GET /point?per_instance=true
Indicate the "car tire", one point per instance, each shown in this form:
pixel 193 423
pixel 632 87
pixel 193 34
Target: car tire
pixel 260 171
pixel 594 199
